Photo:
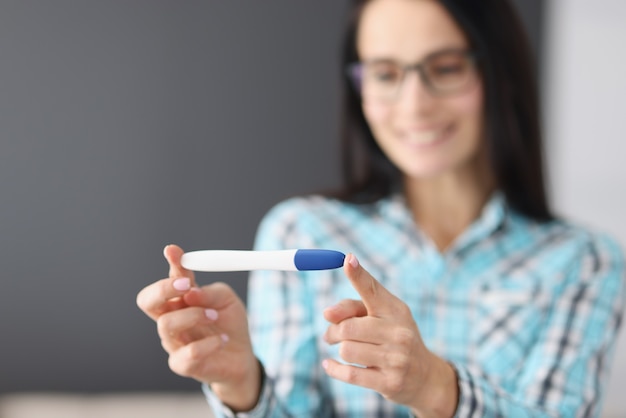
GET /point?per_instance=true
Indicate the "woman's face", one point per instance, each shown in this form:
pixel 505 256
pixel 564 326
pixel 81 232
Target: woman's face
pixel 425 134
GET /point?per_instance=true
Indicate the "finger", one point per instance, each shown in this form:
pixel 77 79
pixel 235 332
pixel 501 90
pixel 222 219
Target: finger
pixel 367 377
pixel 377 300
pixel 186 325
pixel 196 358
pixel 346 308
pixel 385 358
pixel 163 296
pixel 217 296
pixel 173 254
pixel 366 329
pixel 364 354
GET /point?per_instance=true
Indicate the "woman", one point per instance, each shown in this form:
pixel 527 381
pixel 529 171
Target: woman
pixel 476 300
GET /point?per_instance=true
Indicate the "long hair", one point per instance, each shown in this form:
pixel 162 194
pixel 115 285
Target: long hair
pixel 511 115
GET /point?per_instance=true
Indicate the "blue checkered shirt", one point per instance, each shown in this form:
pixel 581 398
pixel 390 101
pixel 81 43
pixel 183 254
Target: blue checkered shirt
pixel 526 312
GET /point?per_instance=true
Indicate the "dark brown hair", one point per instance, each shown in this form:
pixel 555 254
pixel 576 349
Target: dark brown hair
pixel 512 115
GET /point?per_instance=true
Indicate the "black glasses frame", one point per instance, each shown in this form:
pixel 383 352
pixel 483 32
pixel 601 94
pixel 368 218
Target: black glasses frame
pixel 354 71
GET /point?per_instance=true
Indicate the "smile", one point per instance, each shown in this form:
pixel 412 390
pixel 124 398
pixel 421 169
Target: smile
pixel 424 139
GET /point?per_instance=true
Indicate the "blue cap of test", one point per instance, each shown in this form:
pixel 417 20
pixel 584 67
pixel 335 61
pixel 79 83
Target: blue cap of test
pixel 318 259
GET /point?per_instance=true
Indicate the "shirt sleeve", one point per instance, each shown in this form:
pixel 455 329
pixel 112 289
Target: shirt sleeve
pixel 566 371
pixel 261 410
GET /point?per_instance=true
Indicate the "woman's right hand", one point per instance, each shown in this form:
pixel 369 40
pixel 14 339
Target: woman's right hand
pixel 205 332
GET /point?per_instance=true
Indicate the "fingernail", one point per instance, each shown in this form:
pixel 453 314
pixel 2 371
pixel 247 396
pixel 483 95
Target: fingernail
pixel 165 248
pixel 224 338
pixel 182 284
pixel 211 314
pixel 325 364
pixel 353 261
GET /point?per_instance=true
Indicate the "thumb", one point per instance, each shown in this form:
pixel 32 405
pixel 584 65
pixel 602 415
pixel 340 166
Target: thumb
pixel 173 254
pixel 377 300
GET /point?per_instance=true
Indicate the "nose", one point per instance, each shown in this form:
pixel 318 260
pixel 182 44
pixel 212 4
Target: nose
pixel 414 95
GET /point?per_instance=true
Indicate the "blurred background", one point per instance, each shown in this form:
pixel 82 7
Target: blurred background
pixel 126 126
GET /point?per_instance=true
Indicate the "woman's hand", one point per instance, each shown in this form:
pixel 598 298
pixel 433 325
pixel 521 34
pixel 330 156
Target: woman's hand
pixel 205 332
pixel 379 333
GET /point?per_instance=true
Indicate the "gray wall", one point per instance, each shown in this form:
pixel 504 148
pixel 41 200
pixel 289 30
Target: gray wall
pixel 130 125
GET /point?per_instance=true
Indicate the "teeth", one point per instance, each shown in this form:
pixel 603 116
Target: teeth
pixel 423 137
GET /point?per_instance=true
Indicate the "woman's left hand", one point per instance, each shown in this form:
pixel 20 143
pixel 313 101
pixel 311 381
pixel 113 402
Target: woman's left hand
pixel 379 332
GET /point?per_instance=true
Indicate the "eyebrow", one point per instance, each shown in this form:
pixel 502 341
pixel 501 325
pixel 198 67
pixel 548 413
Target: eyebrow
pixel 382 61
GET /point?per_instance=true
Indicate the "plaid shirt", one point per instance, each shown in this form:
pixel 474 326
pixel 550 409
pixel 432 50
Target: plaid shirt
pixel 526 312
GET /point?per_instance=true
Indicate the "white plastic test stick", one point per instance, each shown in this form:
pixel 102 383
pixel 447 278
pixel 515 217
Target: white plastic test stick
pixel 241 260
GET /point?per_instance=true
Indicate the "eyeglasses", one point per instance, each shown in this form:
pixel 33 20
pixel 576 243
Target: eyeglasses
pixel 443 73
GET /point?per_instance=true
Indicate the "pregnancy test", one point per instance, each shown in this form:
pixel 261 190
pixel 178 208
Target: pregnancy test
pixel 241 260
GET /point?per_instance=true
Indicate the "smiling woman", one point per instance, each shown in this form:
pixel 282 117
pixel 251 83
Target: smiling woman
pixel 461 293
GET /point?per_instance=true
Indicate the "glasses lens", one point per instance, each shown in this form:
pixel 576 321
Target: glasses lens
pixel 449 71
pixel 380 80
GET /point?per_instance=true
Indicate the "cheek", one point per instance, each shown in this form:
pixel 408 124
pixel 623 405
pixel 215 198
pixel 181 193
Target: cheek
pixel 470 106
pixel 376 115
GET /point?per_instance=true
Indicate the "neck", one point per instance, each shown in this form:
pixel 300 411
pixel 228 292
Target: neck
pixel 444 207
